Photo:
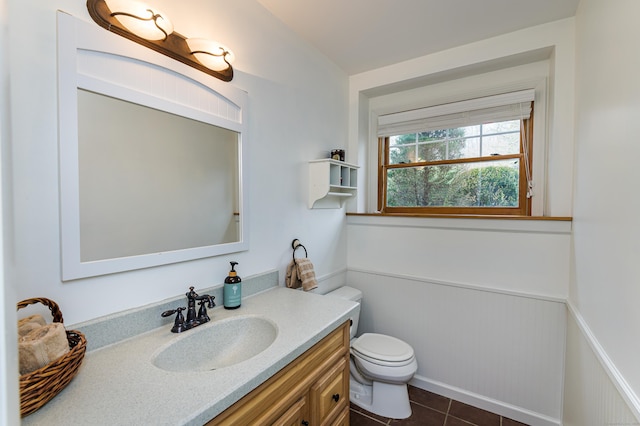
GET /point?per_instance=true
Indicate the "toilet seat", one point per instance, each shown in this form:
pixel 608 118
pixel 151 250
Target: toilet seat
pixel 398 374
pixel 382 350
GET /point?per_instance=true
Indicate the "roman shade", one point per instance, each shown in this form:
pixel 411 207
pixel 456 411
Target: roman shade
pixel 503 107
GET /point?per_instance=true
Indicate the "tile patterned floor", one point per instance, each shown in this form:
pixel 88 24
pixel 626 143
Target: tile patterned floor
pixel 430 409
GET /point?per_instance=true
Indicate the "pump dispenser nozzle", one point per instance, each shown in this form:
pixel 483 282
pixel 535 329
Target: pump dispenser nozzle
pixel 232 272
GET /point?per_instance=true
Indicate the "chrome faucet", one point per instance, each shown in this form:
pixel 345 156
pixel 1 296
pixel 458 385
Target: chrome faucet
pixel 193 320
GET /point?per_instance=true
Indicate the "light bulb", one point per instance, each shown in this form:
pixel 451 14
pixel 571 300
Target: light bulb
pixel 211 54
pixel 141 19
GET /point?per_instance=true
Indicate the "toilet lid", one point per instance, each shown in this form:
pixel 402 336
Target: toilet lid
pixel 382 347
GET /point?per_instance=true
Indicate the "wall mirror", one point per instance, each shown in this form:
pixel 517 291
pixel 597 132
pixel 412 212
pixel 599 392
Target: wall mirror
pixel 151 157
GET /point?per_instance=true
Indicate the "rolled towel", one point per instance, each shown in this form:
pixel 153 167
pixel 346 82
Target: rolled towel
pixel 292 280
pixel 30 323
pixel 38 319
pixel 306 274
pixel 27 327
pixel 42 346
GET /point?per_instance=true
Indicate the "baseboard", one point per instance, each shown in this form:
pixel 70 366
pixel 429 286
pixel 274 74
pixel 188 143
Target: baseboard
pixel 479 401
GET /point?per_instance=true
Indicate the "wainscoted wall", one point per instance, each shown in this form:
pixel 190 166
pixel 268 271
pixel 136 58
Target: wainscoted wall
pixel 484 308
pixel 501 352
pixel 525 257
pixel 604 290
pixel 591 397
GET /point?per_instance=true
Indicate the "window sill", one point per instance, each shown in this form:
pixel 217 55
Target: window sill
pixel 543 224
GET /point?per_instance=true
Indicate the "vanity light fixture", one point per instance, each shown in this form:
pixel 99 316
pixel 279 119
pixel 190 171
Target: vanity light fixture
pixel 151 28
pixel 141 19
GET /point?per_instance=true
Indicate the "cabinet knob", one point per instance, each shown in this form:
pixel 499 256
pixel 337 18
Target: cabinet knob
pixel 304 423
pixel 336 397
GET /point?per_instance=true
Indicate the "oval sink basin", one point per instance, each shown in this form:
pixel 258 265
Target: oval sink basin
pixel 217 344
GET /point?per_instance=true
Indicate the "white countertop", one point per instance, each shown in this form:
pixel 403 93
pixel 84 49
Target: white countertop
pixel 119 385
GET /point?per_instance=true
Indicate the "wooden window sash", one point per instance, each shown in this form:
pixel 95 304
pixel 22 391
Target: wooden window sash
pixel 524 203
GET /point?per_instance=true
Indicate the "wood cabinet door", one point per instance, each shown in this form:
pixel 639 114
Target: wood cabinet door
pixel 330 394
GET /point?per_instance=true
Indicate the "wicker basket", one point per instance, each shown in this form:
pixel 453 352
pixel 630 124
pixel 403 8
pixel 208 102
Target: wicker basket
pixel 40 386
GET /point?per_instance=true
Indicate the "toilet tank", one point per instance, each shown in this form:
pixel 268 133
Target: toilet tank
pixel 354 295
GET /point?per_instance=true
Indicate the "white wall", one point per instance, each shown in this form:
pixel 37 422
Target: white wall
pixel 422 267
pixel 592 392
pixel 529 258
pixel 553 42
pixel 298 112
pixel 500 352
pixel 9 401
pixel 604 290
pixel 476 298
pixel 481 302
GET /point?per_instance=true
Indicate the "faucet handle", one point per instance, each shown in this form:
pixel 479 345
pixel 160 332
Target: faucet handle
pixel 202 312
pixel 178 324
pixel 208 299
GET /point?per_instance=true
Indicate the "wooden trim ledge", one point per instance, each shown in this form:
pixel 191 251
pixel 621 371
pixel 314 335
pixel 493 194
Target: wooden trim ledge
pixel 527 224
pixel 466 216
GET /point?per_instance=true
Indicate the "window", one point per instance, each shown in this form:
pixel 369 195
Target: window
pixel 472 157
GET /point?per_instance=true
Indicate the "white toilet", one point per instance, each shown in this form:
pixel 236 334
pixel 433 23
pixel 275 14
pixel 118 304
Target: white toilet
pixel 381 367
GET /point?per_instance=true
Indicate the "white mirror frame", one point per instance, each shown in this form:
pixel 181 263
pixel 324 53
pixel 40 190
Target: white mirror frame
pixel 94 59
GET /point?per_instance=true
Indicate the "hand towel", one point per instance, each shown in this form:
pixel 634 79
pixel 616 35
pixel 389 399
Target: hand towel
pixel 42 346
pixel 306 274
pixel 291 279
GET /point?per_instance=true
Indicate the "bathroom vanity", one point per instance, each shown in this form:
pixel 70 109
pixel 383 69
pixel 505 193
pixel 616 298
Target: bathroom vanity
pixel 301 371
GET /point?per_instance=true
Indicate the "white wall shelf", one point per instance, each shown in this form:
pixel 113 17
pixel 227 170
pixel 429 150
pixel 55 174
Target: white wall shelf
pixel 331 183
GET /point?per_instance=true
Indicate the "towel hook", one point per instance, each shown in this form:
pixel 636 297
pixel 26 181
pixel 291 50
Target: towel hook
pixel 295 244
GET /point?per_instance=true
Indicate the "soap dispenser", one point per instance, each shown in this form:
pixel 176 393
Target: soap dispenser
pixel 232 293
